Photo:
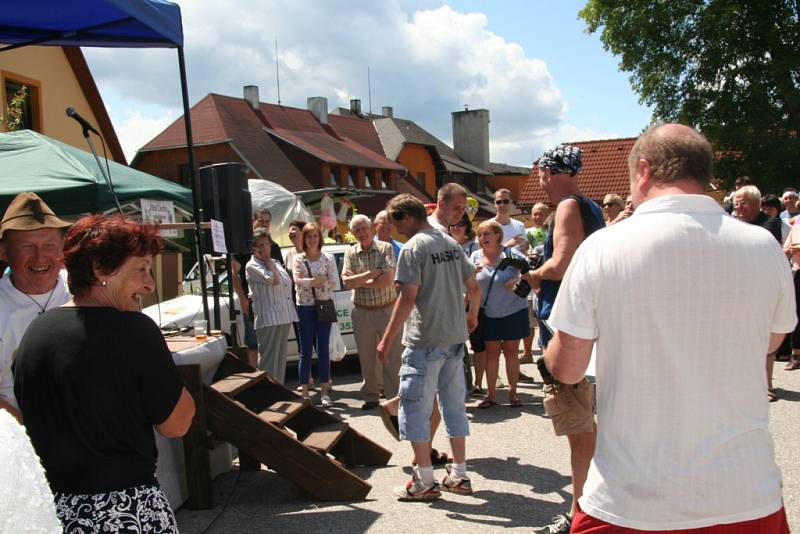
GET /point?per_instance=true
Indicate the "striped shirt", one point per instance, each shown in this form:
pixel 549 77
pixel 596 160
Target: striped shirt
pixel 379 255
pixel 272 303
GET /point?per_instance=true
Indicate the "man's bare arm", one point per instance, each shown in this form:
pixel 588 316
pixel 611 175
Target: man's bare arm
pixel 474 298
pixel 385 279
pixel 402 309
pixel 567 357
pixel 775 341
pixel 354 281
pixel 568 234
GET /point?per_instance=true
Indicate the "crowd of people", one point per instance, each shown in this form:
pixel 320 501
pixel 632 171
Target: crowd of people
pixel 93 379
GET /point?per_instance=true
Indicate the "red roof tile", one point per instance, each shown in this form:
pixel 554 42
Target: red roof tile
pixel 605 170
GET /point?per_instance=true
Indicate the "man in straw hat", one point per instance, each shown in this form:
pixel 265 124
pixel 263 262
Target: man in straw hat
pixel 31 241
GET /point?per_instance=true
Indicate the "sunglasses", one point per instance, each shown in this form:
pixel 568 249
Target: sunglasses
pixel 502 201
pixel 461 224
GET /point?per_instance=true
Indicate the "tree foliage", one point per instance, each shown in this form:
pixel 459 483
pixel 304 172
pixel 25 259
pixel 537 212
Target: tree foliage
pixel 727 67
pixel 15 117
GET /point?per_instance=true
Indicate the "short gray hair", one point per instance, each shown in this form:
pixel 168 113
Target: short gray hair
pixel 750 192
pixel 359 218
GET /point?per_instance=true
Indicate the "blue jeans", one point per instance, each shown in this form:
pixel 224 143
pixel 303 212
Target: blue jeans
pixel 310 329
pixel 426 372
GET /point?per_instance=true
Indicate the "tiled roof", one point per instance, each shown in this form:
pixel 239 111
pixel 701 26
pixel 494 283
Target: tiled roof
pixel 605 170
pixel 395 133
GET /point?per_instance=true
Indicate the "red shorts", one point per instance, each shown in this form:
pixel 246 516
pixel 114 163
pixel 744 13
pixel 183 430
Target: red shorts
pixel 772 524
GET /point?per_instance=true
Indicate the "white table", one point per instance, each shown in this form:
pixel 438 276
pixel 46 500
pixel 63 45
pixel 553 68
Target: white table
pixel 171 469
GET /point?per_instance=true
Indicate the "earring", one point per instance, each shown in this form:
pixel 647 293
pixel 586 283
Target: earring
pixel 103 283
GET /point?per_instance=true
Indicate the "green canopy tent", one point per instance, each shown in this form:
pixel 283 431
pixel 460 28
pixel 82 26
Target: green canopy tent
pixel 67 178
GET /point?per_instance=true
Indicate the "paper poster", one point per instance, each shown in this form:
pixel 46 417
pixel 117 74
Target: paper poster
pixel 159 211
pixel 218 237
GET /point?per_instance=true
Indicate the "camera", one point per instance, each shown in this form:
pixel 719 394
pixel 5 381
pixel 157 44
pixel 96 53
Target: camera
pixel 521 288
pixel 563 159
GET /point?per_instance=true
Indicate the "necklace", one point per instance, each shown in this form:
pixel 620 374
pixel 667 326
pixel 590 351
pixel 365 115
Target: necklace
pixel 43 308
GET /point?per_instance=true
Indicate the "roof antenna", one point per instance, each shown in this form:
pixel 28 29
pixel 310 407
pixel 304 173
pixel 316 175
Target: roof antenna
pixel 277 74
pixel 369 90
pixel 466 107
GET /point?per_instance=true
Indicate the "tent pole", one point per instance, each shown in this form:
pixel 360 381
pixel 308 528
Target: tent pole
pixel 196 189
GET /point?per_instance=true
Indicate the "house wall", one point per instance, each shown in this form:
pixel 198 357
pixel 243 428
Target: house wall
pixel 167 163
pixel 47 68
pixel 512 182
pixel 417 159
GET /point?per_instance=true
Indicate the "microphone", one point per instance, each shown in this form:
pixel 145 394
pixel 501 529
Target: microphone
pixel 83 122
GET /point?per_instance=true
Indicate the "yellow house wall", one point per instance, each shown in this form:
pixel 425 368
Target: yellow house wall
pixel 58 89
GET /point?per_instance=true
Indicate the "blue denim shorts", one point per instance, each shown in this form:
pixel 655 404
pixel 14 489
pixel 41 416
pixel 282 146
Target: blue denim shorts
pixel 426 372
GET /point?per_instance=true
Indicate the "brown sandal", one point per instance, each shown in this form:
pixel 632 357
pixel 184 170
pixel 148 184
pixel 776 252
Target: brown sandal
pixel 486 403
pixel 792 365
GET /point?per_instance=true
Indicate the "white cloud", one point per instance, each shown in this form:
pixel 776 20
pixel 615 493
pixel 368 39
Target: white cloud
pixel 425 61
pixel 135 130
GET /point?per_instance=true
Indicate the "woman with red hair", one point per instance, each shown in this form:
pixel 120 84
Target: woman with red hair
pixel 95 376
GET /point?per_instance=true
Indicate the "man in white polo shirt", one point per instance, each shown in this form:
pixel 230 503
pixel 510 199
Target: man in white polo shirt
pixel 682 437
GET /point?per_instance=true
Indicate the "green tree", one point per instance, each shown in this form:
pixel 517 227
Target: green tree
pixel 730 68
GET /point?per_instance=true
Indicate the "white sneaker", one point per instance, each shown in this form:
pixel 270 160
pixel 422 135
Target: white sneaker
pixel 326 401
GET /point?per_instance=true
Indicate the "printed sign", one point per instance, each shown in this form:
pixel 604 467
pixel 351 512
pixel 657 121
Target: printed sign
pixel 159 211
pixel 218 237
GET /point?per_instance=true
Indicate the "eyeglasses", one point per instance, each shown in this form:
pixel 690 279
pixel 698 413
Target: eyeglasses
pixel 502 201
pixel 461 224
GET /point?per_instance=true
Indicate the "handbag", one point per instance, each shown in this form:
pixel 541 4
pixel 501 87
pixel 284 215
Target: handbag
pixel 326 310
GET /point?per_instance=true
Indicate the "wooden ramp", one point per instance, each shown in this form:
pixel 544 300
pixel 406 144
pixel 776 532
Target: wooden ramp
pixel 272 425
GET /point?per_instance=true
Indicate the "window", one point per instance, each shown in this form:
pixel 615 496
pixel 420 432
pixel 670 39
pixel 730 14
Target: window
pixel 350 181
pixel 31 112
pixel 367 181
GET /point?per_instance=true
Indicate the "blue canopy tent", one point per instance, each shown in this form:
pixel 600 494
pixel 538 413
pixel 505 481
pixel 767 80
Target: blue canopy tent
pixel 107 23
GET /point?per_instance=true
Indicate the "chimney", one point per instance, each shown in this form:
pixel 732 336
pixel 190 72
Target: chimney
pixel 318 106
pixel 387 111
pixel 471 136
pixel 251 96
pixel 355 106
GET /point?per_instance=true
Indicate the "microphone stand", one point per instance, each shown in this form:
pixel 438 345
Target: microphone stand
pixel 100 166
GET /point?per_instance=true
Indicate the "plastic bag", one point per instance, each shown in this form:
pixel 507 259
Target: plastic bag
pixel 336 346
pixel 327 215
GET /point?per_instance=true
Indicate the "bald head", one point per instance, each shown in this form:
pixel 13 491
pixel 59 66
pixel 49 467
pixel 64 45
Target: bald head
pixel 674 152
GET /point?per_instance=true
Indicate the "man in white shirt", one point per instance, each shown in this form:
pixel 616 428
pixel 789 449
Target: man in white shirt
pixel 513 230
pixel 682 439
pixel 32 242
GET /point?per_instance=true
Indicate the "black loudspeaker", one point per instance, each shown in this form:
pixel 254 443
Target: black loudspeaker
pixel 227 199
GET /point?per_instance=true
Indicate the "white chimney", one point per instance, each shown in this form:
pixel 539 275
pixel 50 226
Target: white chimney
pixel 387 111
pixel 251 96
pixel 318 106
pixel 471 136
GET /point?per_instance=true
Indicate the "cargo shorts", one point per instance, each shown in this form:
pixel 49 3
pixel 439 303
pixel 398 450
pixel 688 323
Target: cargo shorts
pixel 571 407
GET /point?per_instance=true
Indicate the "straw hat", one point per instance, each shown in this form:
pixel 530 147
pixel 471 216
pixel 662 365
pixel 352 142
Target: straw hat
pixel 29 212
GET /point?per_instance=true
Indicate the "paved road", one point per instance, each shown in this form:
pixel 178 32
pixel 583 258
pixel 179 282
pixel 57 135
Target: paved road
pixel 519 470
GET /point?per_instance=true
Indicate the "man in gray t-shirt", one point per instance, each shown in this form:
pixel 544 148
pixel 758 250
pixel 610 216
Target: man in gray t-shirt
pixel 432 272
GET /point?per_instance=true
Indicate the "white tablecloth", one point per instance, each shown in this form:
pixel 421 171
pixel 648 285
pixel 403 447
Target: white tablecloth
pixel 171 469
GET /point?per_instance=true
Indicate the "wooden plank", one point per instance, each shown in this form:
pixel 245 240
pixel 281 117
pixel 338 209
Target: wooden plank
pixel 195 451
pixel 315 473
pixel 238 382
pixel 280 412
pixel 324 438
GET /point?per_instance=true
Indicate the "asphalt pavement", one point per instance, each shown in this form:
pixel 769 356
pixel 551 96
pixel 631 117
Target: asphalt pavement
pixel 519 471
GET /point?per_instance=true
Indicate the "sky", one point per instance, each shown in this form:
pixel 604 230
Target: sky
pixel 529 62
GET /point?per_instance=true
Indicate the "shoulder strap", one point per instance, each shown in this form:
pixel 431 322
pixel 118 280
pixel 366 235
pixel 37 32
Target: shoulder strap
pixel 308 267
pixel 491 282
pixel 586 214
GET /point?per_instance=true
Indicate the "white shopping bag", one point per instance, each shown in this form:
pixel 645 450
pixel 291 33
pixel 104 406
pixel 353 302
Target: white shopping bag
pixel 336 345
